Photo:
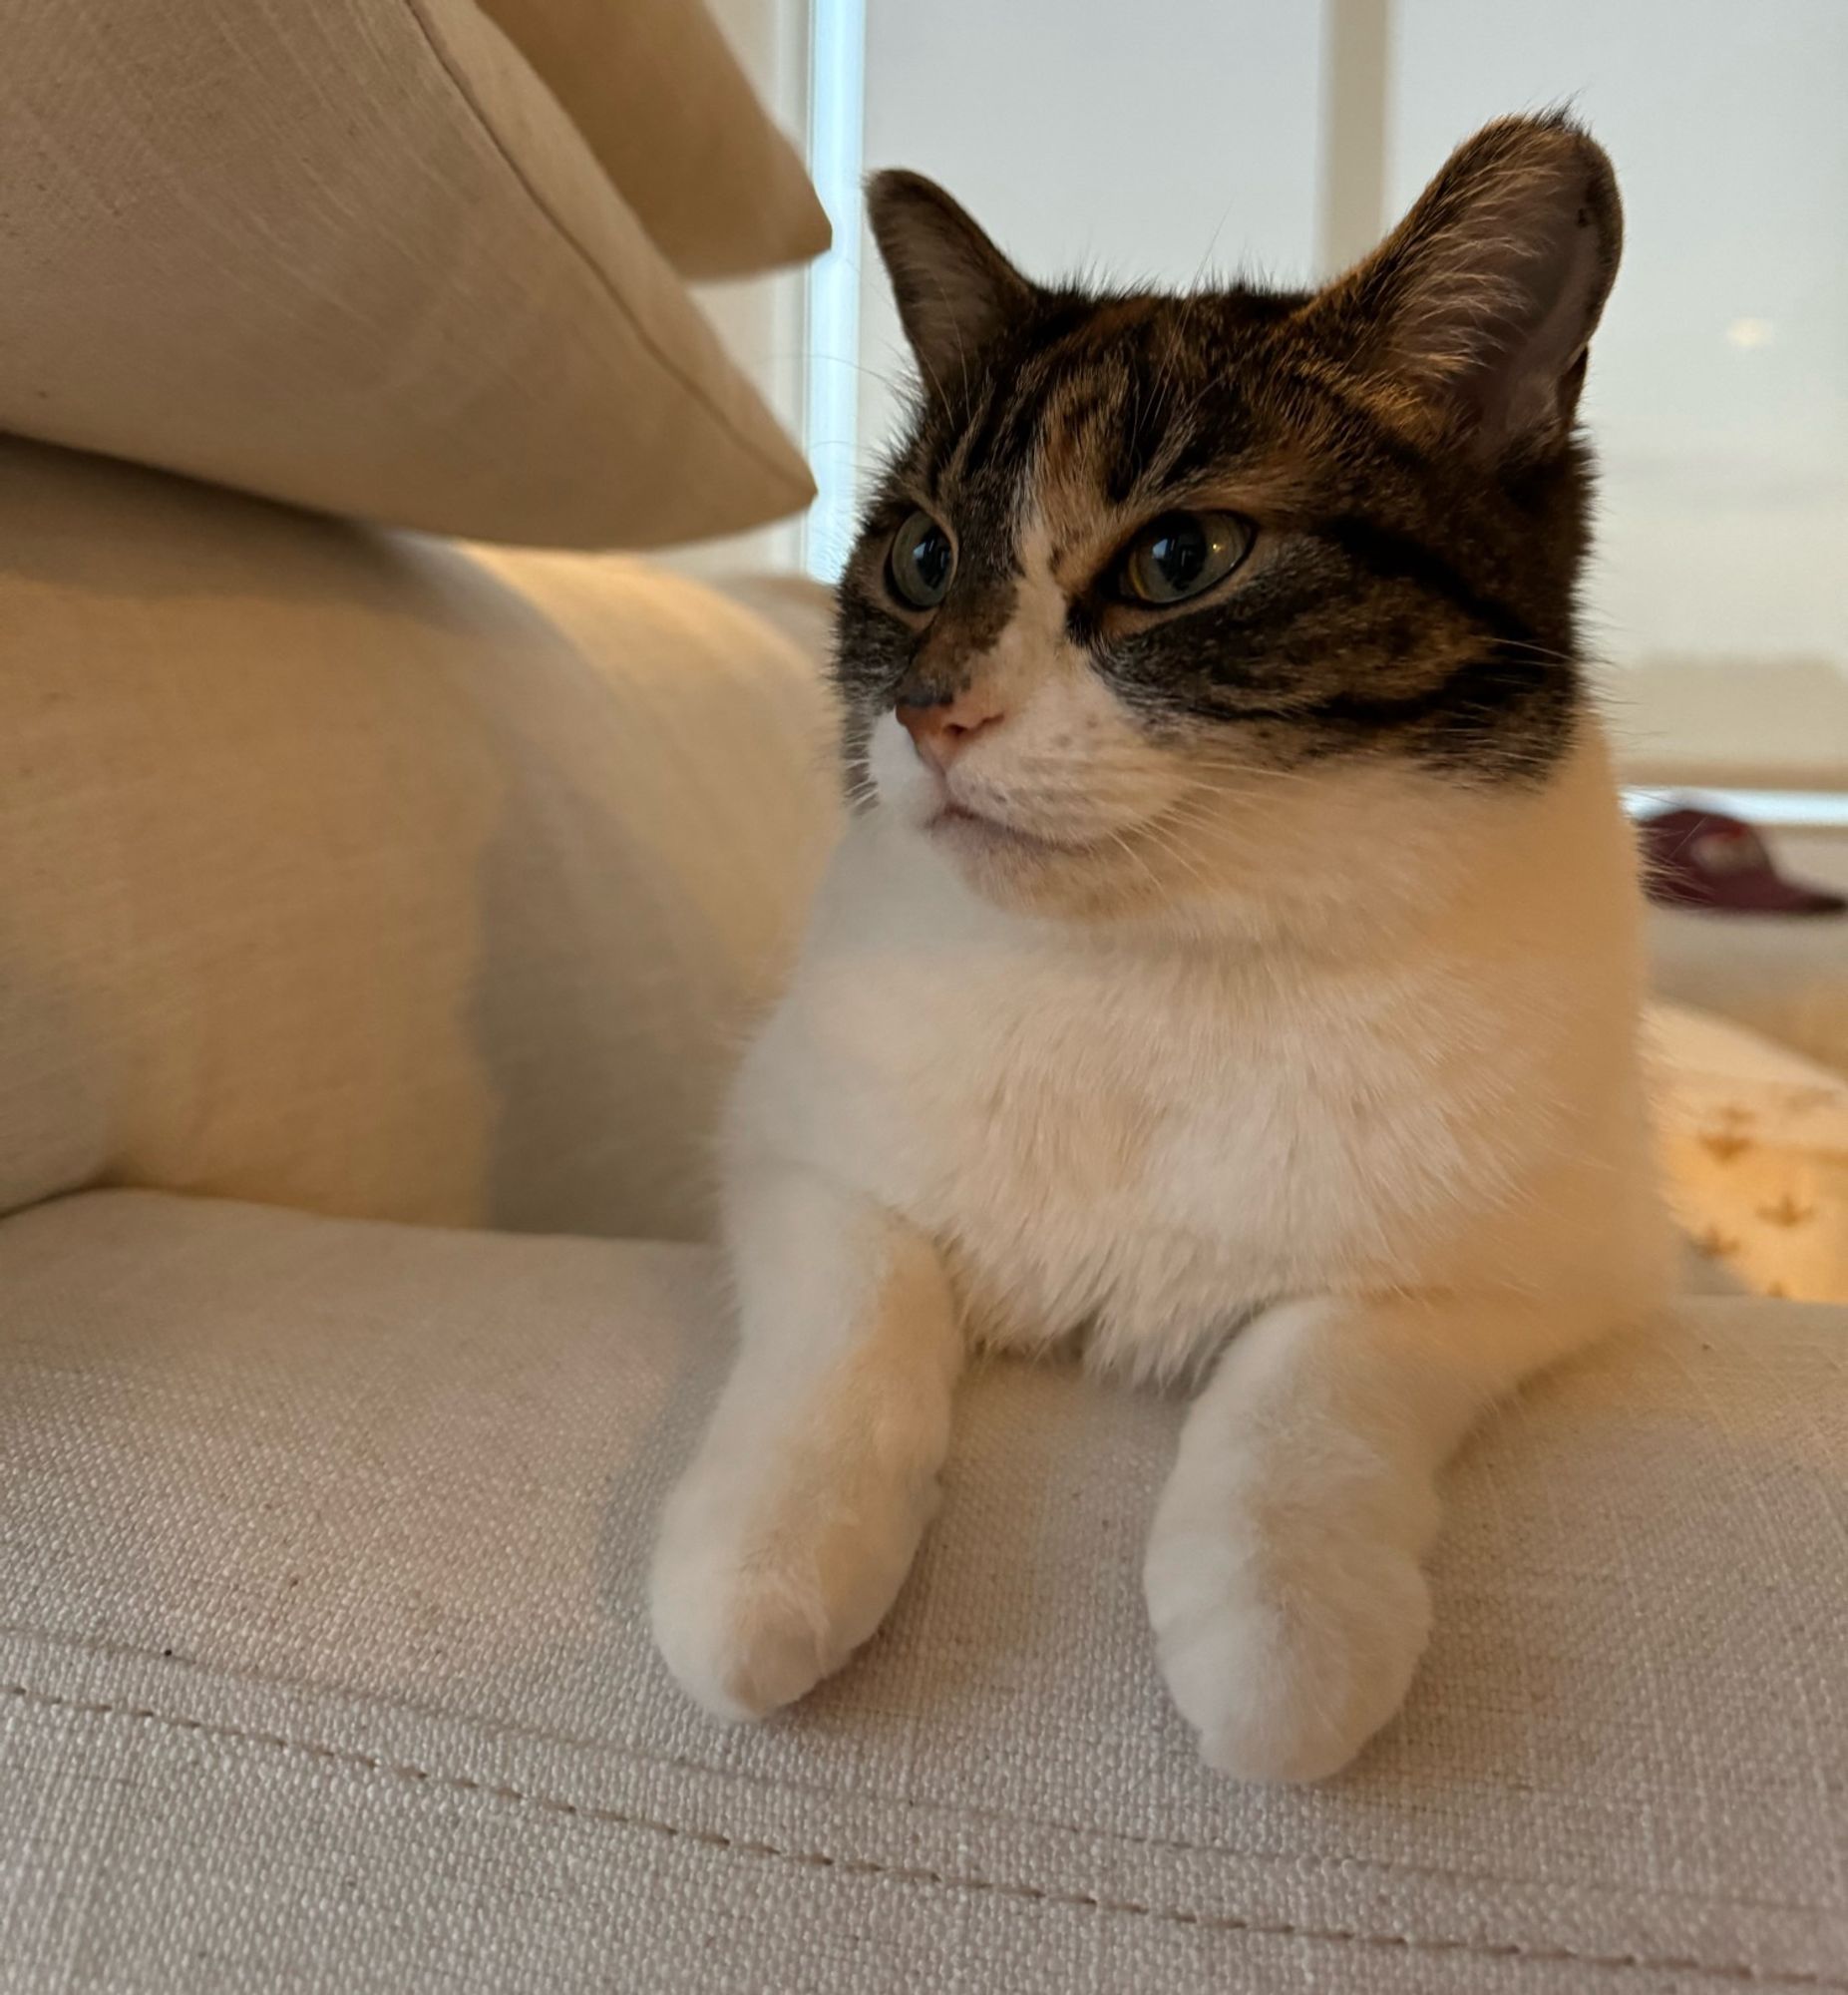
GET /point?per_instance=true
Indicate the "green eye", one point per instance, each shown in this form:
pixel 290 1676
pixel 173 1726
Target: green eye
pixel 1179 554
pixel 922 562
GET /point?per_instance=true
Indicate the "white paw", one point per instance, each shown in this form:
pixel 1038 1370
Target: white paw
pixel 1285 1649
pixel 740 1642
pixel 750 1612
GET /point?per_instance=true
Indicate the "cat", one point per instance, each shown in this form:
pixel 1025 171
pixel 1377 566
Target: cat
pixel 1231 965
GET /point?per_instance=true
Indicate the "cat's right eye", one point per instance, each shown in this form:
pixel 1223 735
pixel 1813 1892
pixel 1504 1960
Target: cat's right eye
pixel 1181 555
pixel 921 562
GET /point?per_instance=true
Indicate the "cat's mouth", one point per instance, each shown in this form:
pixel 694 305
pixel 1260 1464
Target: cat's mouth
pixel 972 830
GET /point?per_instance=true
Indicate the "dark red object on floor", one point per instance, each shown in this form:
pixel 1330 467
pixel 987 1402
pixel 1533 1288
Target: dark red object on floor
pixel 1703 859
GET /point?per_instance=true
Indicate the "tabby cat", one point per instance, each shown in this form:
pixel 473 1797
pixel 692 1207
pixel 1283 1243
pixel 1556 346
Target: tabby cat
pixel 1231 965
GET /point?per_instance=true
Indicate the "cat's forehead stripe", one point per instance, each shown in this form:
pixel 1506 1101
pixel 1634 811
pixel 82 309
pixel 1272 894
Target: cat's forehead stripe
pixel 1118 409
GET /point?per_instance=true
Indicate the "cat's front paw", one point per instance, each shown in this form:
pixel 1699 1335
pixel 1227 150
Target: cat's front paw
pixel 753 1601
pixel 1285 1650
pixel 741 1639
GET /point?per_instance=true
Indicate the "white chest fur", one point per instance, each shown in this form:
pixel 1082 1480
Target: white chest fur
pixel 1138 1142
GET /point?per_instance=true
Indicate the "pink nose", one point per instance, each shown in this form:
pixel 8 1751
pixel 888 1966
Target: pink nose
pixel 942 732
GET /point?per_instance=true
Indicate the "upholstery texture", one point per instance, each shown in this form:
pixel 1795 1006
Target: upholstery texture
pixel 1756 1153
pixel 354 255
pixel 662 101
pixel 325 1666
pixel 343 870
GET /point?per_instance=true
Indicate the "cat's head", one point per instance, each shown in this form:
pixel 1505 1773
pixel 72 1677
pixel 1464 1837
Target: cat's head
pixel 1156 581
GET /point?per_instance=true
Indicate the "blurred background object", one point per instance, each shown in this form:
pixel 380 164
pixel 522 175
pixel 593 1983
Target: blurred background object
pixel 1694 857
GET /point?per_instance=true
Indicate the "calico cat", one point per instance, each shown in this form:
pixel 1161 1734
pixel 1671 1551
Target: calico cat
pixel 1231 965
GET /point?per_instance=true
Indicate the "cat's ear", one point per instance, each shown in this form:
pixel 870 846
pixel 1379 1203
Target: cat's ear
pixel 1475 313
pixel 955 289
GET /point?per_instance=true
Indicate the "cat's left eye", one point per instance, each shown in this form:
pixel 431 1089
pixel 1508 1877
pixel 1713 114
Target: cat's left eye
pixel 1179 556
pixel 922 562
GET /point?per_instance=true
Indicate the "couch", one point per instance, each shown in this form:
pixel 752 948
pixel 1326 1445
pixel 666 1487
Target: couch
pixel 379 912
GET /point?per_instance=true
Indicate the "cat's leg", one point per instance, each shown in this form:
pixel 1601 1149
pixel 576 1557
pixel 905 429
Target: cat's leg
pixel 1283 1573
pixel 793 1529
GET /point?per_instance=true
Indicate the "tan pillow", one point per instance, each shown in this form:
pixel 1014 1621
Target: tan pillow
pixel 657 93
pixel 353 254
pixel 350 871
pixel 1755 1147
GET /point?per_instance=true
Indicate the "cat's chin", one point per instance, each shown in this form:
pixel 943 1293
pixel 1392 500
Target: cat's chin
pixel 1013 868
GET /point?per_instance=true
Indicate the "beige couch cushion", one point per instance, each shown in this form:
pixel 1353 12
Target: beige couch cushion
pixel 658 95
pixel 353 254
pixel 350 872
pixel 323 1663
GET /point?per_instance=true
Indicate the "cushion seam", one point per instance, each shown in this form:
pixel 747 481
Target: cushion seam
pixel 1128 1840
pixel 459 84
pixel 914 1875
